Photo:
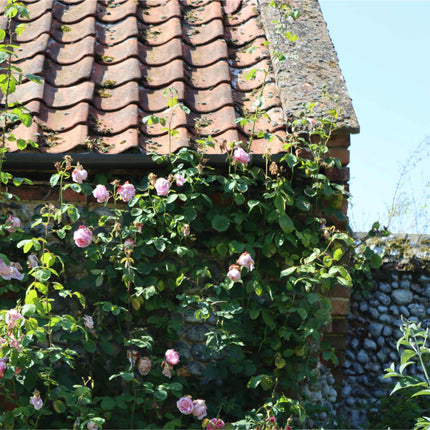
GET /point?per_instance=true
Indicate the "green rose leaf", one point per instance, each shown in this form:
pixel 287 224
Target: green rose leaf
pixel 220 223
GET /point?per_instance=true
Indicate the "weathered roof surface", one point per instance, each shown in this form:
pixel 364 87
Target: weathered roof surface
pixel 107 64
pixel 311 67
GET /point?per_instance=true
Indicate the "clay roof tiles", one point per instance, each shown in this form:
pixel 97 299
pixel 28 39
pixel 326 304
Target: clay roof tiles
pixel 105 65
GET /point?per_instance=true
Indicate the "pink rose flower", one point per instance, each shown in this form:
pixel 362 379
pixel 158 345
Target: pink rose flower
pixel 180 180
pixel 185 405
pixel 144 365
pixel 79 174
pixel 162 186
pixel 11 318
pixel 36 401
pixel 32 261
pixel 126 192
pixel 172 357
pixel 246 260
pixel 12 223
pixel 215 423
pixel 83 236
pixel 101 193
pixel 15 271
pixel 2 366
pixel 88 322
pixel 5 271
pixel 199 409
pixel 15 343
pixel 234 273
pixel 91 425
pixel 241 156
pixel 186 230
pixel 167 369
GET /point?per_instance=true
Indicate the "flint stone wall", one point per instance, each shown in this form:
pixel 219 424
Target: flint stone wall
pixel 401 287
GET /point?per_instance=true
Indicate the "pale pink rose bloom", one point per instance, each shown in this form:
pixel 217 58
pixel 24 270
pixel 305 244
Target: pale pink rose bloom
pixel 91 425
pixel 172 357
pixel 15 343
pixel 2 367
pixel 36 401
pixel 180 180
pixel 11 317
pixel 162 186
pixel 79 174
pixel 241 156
pixel 101 193
pixel 126 192
pixel 185 405
pixel 215 423
pixel 199 408
pixel 32 261
pixel 246 260
pixel 82 236
pixel 15 271
pixel 144 365
pixel 5 271
pixel 234 273
pixel 12 223
pixel 88 322
pixel 186 230
pixel 167 370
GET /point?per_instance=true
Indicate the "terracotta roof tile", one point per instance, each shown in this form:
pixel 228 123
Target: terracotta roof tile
pixel 107 64
pixel 160 14
pixel 111 34
pixel 113 12
pixel 74 12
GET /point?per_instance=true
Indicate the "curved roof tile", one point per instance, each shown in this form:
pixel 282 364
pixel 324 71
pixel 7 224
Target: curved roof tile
pixel 106 65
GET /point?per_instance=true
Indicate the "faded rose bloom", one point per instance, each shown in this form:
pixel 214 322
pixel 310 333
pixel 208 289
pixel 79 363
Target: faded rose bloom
pixel 132 356
pixel 83 236
pixel 234 273
pixel 15 271
pixel 245 260
pixel 241 156
pixel 129 243
pixel 172 357
pixel 215 423
pixel 199 408
pixel 185 405
pixel 5 271
pixel 32 261
pixel 162 186
pixel 88 322
pixel 91 425
pixel 126 192
pixel 11 318
pixel 79 174
pixel 186 230
pixel 101 193
pixel 12 223
pixel 144 365
pixel 3 366
pixel 36 401
pixel 139 226
pixel 167 369
pixel 180 180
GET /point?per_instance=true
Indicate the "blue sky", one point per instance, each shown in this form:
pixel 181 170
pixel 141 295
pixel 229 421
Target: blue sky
pixel 384 52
